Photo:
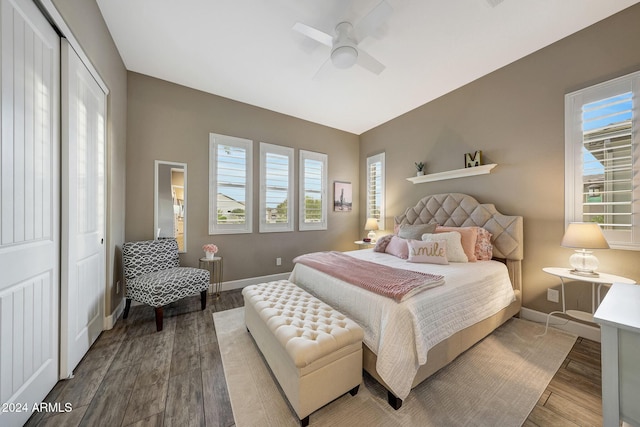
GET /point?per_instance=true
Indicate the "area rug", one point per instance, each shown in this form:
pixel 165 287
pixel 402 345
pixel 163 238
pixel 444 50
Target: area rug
pixel 495 383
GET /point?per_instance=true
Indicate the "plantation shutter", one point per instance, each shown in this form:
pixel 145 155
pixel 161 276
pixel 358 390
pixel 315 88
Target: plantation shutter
pixel 604 157
pixel 229 185
pixel 375 188
pixel 313 200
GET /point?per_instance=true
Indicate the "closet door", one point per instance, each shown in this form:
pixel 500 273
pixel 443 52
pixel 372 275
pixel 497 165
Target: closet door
pixel 83 210
pixel 29 203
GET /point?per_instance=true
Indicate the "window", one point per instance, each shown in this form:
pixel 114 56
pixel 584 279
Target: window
pixel 230 179
pixel 313 191
pixel 276 188
pixel 375 188
pixel 601 155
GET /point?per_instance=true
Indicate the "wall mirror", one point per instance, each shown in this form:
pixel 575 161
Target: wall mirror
pixel 170 200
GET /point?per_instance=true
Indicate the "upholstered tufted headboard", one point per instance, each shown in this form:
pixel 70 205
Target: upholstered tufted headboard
pixel 462 210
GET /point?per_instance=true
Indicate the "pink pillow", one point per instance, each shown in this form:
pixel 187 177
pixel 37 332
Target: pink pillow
pixel 469 238
pixel 484 248
pixel 398 247
pixel 429 252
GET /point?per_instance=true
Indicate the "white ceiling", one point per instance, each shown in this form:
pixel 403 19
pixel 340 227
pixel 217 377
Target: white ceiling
pixel 246 50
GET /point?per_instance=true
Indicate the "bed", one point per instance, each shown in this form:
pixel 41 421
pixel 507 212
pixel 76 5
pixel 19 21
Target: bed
pixel 406 342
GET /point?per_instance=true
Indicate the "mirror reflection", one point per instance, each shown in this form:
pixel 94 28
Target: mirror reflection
pixel 170 219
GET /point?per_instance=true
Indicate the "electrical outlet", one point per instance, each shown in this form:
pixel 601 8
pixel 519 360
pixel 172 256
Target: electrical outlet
pixel 278 261
pixel 118 287
pixel 553 295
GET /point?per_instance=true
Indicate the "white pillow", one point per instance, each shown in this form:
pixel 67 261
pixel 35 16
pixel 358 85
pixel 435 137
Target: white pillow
pixel 429 252
pixel 455 253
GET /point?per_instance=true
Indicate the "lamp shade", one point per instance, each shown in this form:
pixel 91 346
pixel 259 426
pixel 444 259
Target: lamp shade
pixel 584 235
pixel 371 224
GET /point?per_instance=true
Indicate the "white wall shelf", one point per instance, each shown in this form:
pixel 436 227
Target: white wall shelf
pixel 457 173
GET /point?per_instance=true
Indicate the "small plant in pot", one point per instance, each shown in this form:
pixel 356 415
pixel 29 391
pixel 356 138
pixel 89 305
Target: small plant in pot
pixel 420 168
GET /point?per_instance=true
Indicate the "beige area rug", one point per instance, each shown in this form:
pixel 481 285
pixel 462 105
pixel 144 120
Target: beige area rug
pixel 495 383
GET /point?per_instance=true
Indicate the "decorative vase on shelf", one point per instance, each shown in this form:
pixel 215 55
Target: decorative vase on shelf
pixel 420 173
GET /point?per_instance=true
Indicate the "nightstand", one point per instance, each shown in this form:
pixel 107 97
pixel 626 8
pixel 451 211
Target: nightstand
pixel 364 245
pixel 564 273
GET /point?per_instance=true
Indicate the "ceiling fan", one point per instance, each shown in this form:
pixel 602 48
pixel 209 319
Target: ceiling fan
pixel 344 43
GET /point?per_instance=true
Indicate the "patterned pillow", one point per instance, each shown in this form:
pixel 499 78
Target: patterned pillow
pixel 484 248
pixel 455 253
pixel 469 238
pixel 382 242
pixel 429 252
pixel 398 247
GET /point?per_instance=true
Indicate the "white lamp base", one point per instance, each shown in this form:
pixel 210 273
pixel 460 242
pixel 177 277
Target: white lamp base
pixel 372 236
pixel 584 263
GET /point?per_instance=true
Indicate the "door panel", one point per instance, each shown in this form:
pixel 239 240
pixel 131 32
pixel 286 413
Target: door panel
pixel 83 210
pixel 29 203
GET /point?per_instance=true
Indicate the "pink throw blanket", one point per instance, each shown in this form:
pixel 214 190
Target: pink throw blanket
pixel 387 281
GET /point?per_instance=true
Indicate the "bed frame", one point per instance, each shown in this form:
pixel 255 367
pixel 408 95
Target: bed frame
pixel 461 210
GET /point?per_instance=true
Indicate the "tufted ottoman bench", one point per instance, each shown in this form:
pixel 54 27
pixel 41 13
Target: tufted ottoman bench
pixel 314 351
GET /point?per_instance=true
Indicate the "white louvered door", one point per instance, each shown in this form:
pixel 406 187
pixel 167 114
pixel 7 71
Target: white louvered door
pixel 29 203
pixel 83 210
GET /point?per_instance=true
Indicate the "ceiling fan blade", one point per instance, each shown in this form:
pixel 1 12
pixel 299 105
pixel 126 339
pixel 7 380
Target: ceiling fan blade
pixel 373 20
pixel 368 62
pixel 323 70
pixel 313 33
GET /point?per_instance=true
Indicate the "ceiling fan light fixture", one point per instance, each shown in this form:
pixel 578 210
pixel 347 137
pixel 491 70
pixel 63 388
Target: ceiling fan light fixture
pixel 344 56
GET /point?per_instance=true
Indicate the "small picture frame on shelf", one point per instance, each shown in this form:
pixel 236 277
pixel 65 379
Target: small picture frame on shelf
pixel 473 159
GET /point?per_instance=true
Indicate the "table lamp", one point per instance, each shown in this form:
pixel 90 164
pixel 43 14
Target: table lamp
pixel 371 226
pixel 584 236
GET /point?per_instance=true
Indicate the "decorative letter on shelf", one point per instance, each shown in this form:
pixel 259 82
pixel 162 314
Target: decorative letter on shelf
pixel 473 159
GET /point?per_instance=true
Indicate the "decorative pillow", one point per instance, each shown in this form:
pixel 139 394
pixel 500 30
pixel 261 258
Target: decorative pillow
pixel 469 238
pixel 398 247
pixel 455 253
pixel 429 252
pixel 415 231
pixel 484 248
pixel 382 242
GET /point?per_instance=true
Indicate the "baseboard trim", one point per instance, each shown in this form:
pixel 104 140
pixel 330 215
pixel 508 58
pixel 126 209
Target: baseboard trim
pixel 586 331
pixel 110 321
pixel 238 284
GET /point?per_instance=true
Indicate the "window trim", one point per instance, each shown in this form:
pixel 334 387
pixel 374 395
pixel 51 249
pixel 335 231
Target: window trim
pixel 264 227
pixel 377 158
pixel 214 141
pixel 573 150
pixel 324 159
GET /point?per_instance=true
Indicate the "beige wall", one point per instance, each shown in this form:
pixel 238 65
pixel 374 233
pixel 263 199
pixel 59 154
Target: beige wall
pixel 171 122
pixel 516 117
pixel 86 22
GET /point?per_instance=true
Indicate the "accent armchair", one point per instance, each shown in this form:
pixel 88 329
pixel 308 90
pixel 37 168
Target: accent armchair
pixel 153 276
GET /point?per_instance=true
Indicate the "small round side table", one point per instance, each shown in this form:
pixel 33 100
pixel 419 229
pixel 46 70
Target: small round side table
pixel 214 265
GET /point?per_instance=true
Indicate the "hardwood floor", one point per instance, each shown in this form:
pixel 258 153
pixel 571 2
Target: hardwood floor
pixel 133 376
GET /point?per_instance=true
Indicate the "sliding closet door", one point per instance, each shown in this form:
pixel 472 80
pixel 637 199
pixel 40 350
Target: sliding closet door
pixel 83 210
pixel 29 203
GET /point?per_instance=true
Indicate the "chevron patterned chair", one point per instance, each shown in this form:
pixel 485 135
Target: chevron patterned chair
pixel 153 276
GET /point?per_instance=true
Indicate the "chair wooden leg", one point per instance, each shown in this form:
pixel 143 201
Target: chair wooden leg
pixel 203 300
pixel 127 306
pixel 158 319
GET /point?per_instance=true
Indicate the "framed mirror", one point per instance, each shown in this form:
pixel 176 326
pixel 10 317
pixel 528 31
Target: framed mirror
pixel 170 202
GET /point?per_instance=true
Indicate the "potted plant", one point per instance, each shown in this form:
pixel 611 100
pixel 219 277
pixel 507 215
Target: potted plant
pixel 420 168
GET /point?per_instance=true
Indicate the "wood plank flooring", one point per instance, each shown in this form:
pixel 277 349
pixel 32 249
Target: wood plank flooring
pixel 133 376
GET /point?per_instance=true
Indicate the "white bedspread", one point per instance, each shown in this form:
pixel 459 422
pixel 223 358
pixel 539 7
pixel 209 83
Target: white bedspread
pixel 401 334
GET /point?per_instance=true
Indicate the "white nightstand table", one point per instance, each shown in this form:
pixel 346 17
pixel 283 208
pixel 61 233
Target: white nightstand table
pixel 363 244
pixel 564 273
pixel 619 319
